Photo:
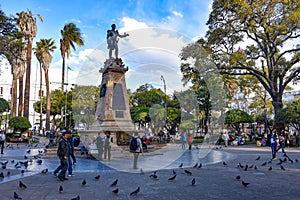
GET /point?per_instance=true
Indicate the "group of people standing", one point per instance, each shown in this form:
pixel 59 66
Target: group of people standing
pixel 104 145
pixel 65 153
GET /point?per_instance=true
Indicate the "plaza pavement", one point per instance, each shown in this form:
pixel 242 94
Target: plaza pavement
pixel 214 180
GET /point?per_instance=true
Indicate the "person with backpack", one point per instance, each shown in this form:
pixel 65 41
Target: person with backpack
pixel 108 140
pixel 136 148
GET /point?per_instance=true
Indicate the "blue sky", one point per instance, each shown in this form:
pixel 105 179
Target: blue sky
pixel 172 23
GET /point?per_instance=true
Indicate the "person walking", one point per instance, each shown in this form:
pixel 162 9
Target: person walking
pixel 183 140
pixel 273 144
pixel 281 139
pixel 225 138
pixel 136 148
pixel 108 140
pixel 63 153
pixel 71 156
pixel 2 140
pixel 99 144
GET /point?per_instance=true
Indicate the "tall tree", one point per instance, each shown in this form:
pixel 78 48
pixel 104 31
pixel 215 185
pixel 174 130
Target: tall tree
pixel 70 35
pixel 27 24
pixel 43 53
pixel 269 27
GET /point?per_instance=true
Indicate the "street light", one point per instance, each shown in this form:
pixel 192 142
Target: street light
pixel 266 120
pixel 165 113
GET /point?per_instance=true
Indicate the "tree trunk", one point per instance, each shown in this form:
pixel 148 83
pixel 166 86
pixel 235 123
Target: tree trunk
pixel 48 103
pixel 41 98
pixel 277 103
pixel 27 84
pixel 20 108
pixel 63 75
pixel 14 96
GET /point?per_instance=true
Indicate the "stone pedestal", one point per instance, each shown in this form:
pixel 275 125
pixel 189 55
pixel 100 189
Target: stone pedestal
pixel 113 106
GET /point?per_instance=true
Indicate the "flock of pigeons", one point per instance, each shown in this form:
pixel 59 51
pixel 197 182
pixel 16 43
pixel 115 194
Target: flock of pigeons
pixel 36 159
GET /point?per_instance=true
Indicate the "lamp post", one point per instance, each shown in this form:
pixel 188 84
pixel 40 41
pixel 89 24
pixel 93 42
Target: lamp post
pixel 7 109
pixel 266 120
pixel 165 113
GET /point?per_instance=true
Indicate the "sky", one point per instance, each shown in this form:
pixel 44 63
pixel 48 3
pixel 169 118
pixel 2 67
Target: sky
pixel 158 29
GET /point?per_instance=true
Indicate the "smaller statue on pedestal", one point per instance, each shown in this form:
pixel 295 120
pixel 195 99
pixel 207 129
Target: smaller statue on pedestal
pixel 112 40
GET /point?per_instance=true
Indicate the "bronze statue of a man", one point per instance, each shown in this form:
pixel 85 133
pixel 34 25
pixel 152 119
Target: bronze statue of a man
pixel 112 40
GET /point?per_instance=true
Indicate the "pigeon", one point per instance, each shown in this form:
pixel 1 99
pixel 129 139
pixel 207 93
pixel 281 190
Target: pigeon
pixel 114 183
pixel 22 171
pixel 83 182
pixel 257 158
pixel 251 166
pixel 3 166
pixel 60 189
pixel 296 160
pixel 270 168
pixel 240 165
pixel 246 168
pixel 17 197
pixel 264 164
pixel 180 165
pixel 200 165
pixel 8 173
pixel 22 185
pixel 25 157
pixel 245 184
pixel 13 161
pixel 39 161
pixel 238 177
pixel 45 171
pixel 224 163
pixel 255 167
pixel 76 198
pixel 172 178
pixel 193 181
pixel 187 172
pixel 282 167
pixel 1 175
pixel 142 171
pixel 174 172
pixel 135 191
pixel 97 177
pixel 154 176
pixel 28 151
pixel 4 163
pixel 116 191
pixel 196 165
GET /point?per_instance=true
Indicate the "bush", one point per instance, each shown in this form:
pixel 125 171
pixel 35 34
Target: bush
pixel 19 124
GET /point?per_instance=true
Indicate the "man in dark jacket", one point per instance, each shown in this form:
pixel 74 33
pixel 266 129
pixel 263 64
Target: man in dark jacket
pixel 63 153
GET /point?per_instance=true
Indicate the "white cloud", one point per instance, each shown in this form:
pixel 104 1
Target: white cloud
pixel 177 14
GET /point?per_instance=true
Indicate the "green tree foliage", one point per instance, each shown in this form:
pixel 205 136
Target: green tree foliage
pixel 19 123
pixel 235 117
pixel 3 105
pixel 290 115
pixel 269 27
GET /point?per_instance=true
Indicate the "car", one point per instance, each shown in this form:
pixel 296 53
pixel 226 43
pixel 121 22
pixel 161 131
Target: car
pixel 16 137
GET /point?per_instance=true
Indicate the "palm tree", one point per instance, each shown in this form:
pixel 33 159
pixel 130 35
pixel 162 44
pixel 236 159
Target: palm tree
pixel 71 35
pixel 42 52
pixel 27 24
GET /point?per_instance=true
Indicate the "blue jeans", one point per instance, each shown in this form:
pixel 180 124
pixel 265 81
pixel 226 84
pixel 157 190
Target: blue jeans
pixel 273 151
pixel 70 170
pixel 63 166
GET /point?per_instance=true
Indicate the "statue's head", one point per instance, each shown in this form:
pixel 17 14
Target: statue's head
pixel 113 26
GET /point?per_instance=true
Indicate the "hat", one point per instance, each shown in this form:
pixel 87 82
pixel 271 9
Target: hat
pixel 66 132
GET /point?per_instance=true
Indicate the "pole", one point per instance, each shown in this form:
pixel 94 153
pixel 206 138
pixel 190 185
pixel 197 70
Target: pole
pixel 165 113
pixel 66 103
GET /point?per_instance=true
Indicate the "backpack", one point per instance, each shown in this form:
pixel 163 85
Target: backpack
pixel 76 141
pixel 133 144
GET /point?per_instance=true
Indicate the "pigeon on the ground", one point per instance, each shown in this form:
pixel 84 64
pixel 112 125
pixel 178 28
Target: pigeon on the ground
pixel 135 191
pixel 60 189
pixel 76 198
pixel 257 158
pixel 196 165
pixel 97 177
pixel 245 184
pixel 282 167
pixel 264 164
pixel 200 165
pixel 83 182
pixel 193 181
pixel 180 165
pixel 238 177
pixel 45 171
pixel 270 168
pixel 22 185
pixel 17 197
pixel 224 163
pixel 172 178
pixel 114 183
pixel 116 191
pixel 187 172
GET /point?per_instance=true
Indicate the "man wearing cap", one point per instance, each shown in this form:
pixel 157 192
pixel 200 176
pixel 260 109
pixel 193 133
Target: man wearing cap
pixel 63 153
